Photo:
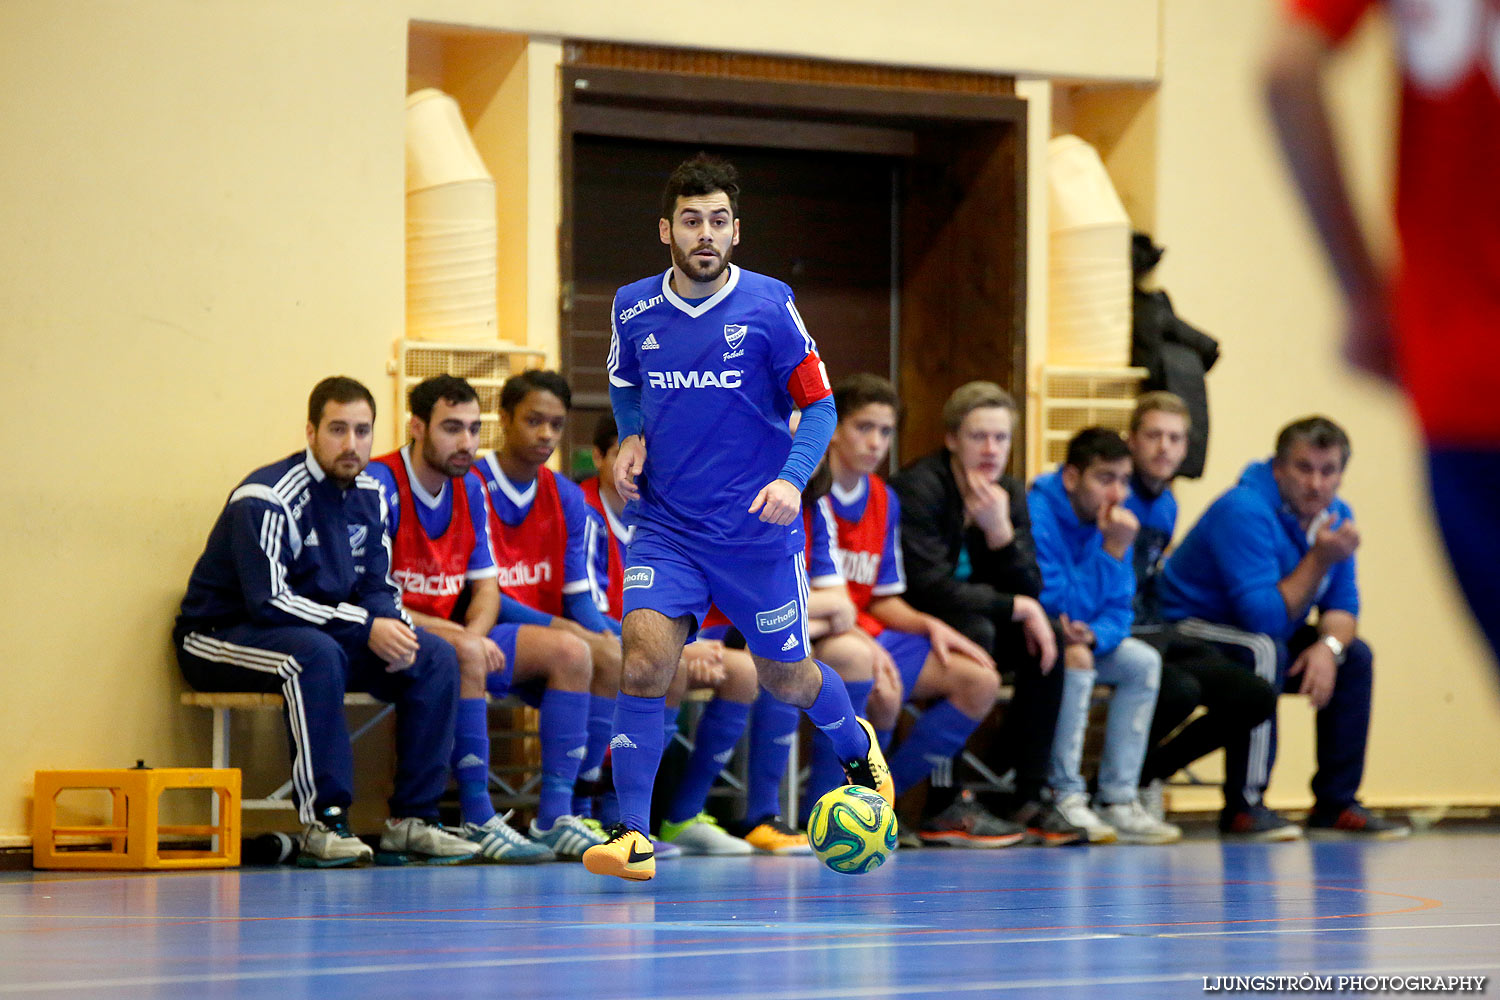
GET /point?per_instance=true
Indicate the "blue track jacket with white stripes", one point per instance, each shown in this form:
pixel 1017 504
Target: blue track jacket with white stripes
pixel 292 547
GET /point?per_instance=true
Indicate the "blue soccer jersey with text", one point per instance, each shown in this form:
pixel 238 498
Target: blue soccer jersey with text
pixel 718 379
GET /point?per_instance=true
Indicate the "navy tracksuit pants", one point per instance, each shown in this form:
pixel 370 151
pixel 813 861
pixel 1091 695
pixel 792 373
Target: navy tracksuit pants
pixel 312 671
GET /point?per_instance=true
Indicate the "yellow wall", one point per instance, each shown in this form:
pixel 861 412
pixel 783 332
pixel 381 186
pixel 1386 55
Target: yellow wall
pixel 1241 265
pixel 203 208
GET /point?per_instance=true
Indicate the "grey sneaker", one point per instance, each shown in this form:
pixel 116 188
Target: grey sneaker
pixel 966 823
pixel 1355 822
pixel 1074 808
pixel 1135 825
pixel 331 845
pixel 414 839
pixel 569 837
pixel 498 842
pixel 1259 823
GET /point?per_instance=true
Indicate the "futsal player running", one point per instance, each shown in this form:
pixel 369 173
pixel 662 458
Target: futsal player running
pixel 706 363
pixel 705 663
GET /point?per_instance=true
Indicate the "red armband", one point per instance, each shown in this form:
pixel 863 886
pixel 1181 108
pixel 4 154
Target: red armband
pixel 809 381
pixel 1335 19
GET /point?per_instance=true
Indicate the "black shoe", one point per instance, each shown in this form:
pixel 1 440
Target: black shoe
pixel 1045 826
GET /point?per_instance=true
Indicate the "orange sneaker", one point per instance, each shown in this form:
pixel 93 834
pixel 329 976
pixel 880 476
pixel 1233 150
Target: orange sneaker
pixel 871 770
pixel 626 854
pixel 774 836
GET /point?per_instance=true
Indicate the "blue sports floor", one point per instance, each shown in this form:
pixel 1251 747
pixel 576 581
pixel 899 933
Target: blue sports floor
pixel 1113 921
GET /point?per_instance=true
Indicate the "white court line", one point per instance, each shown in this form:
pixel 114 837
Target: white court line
pixel 1322 930
pixel 654 955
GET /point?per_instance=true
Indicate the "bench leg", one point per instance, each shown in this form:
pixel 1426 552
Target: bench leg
pixel 219 756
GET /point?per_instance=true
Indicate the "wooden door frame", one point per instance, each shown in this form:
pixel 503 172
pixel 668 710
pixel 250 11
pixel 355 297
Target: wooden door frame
pixel 893 121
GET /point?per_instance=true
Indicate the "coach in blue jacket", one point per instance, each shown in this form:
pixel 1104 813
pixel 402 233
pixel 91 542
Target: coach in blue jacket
pixel 1260 559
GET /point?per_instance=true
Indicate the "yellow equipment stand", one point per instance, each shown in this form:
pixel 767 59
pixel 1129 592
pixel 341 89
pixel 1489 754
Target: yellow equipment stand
pixel 134 834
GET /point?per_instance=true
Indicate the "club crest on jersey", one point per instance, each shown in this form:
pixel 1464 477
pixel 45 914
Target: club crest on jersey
pixel 357 535
pixel 734 334
pixel 639 576
pixel 775 621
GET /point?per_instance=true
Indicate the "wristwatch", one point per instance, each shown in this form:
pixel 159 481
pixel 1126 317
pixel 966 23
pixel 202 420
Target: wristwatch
pixel 1339 652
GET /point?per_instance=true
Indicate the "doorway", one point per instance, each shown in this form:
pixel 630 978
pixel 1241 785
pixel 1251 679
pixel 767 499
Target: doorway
pixel 896 215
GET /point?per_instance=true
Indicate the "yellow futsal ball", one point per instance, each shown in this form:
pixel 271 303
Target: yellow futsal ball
pixel 852 830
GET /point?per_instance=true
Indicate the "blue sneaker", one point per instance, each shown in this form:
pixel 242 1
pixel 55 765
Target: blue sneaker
pixel 499 843
pixel 569 837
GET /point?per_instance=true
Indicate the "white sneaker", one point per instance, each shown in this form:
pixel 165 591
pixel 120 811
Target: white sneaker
pixel 1136 826
pixel 1074 807
pixel 419 840
pixel 703 835
pixel 1153 796
pixel 332 846
pixel 569 837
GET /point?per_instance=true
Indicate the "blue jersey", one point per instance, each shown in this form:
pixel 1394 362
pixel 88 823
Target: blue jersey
pixel 889 575
pixel 292 547
pixel 822 549
pixel 434 512
pixel 716 380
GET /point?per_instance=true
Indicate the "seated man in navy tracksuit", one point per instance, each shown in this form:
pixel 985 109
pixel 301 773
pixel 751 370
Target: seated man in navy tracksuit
pixel 1260 559
pixel 293 594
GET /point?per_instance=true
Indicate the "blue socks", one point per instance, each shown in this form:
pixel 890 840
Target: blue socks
pixel 718 731
pixel 938 735
pixel 563 726
pixel 669 715
pixel 636 754
pixel 773 727
pixel 600 726
pixel 471 760
pixel 826 769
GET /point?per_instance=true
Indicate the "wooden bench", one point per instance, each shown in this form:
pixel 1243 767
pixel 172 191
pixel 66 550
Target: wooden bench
pixel 222 703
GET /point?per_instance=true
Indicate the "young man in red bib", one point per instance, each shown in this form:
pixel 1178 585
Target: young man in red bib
pixel 936 664
pixel 542 533
pixel 440 546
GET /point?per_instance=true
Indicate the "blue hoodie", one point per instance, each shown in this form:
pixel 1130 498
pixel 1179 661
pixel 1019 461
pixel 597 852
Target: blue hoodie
pixel 1079 578
pixel 1158 517
pixel 1227 568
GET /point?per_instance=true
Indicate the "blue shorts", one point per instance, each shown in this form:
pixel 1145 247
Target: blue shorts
pixel 765 597
pixel 910 651
pixel 499 685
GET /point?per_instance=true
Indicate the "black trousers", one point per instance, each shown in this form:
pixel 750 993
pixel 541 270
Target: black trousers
pixel 1024 741
pixel 1194 673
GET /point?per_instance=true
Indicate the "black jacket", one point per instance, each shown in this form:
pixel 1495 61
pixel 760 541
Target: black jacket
pixel 1178 355
pixel 932 535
